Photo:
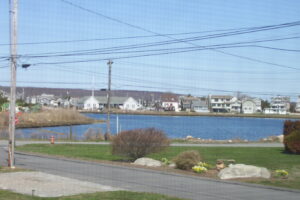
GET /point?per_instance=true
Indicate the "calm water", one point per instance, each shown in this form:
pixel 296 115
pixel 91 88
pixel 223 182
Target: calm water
pixel 218 128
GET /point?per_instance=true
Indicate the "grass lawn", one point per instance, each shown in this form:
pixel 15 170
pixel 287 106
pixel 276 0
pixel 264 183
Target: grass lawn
pixel 116 195
pixel 270 157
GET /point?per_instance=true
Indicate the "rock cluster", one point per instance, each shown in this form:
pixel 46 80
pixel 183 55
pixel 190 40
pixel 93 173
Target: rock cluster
pixel 148 162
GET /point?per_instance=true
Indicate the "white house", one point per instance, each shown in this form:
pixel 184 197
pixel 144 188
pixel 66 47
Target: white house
pixel 236 105
pixel 130 104
pixel 170 102
pixel 298 105
pixel 96 103
pixel 91 103
pixel 278 105
pixel 221 103
pixel 249 106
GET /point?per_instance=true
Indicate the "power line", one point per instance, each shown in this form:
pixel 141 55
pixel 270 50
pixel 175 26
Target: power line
pixel 116 50
pixel 197 69
pixel 189 39
pixel 123 38
pixel 152 32
pixel 155 54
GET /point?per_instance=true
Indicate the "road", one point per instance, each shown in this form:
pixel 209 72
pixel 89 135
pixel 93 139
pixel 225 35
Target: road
pixel 144 180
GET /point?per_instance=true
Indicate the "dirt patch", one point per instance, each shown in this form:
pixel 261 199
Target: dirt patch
pixel 47 185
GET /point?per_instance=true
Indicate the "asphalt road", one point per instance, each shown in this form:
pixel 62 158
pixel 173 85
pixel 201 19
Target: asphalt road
pixel 145 180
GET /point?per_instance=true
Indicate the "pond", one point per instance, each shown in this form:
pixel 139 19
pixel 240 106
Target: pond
pixel 216 128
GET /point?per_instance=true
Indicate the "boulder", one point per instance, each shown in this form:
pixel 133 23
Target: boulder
pixel 243 171
pixel 172 165
pixel 149 162
pixel 220 165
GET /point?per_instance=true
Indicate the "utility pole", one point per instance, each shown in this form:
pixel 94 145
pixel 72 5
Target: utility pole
pixel 13 8
pixel 109 63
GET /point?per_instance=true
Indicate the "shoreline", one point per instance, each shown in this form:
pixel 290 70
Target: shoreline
pixel 54 124
pixel 194 114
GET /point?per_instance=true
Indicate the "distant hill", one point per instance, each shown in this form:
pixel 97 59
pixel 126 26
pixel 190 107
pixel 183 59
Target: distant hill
pixel 62 92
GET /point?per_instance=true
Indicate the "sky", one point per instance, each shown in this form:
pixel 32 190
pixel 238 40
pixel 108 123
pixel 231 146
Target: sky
pixel 50 28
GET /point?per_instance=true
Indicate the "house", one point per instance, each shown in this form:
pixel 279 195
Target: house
pixel 100 102
pixel 169 102
pixel 31 100
pixel 186 102
pixel 221 103
pixel 248 106
pixel 251 105
pixel 236 106
pixel 130 104
pixel 91 103
pixel 200 106
pixel 45 99
pixel 298 105
pixel 278 105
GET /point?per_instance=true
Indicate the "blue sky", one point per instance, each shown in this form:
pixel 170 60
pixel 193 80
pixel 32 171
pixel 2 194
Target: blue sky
pixel 196 73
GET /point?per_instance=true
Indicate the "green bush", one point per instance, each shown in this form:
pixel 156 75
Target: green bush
pixel 187 159
pixel 291 133
pixel 139 142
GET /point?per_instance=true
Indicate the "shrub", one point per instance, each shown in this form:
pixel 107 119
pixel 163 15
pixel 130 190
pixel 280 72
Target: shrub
pixel 291 131
pixel 165 161
pixel 199 169
pixel 292 142
pixel 281 173
pixel 139 142
pixel 204 164
pixel 187 159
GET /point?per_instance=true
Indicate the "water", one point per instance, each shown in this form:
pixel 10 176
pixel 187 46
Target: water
pixel 216 128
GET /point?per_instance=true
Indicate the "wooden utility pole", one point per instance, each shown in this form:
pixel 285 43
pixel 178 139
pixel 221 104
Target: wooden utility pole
pixel 13 8
pixel 109 63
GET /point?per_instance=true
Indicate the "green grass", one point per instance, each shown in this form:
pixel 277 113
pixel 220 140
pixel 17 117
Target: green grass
pixel 117 195
pixel 97 152
pixel 270 157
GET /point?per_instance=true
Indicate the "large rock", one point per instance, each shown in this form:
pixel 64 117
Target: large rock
pixel 243 171
pixel 149 162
